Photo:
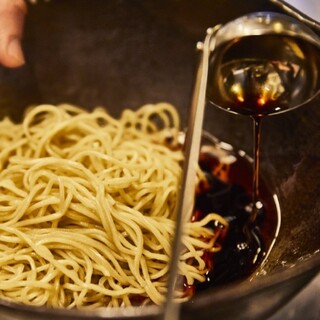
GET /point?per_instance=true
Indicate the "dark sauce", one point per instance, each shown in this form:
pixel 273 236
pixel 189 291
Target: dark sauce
pixel 228 191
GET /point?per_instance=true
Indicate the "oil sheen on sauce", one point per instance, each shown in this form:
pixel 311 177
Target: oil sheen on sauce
pixel 228 191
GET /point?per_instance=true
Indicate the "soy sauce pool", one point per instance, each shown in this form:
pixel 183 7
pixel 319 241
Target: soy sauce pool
pixel 228 192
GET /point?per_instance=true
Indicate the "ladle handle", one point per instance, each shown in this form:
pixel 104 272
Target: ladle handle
pixel 187 189
pixel 298 14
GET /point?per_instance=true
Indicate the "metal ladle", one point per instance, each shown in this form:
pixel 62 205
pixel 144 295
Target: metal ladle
pixel 256 24
pixel 263 64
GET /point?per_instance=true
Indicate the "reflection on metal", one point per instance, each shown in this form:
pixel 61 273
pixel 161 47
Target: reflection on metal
pixel 192 147
pixel 276 233
pixel 306 11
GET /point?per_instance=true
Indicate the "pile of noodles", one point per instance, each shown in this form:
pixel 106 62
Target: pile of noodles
pixel 87 208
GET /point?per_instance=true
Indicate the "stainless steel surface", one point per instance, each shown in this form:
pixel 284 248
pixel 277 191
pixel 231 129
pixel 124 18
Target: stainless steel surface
pixel 306 11
pixel 305 305
pixel 261 23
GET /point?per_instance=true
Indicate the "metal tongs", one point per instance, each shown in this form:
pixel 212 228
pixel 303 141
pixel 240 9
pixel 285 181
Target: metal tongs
pixel 188 184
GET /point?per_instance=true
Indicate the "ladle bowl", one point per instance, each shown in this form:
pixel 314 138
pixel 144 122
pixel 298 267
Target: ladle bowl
pixel 263 63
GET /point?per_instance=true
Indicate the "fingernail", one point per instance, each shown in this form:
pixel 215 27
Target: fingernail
pixel 14 50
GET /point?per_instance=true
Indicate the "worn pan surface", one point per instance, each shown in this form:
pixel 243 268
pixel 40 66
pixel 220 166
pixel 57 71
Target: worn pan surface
pixel 121 53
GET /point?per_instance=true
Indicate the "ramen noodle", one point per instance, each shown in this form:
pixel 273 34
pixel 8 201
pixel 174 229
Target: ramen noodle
pixel 87 208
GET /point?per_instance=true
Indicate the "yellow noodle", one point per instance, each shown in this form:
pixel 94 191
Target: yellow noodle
pixel 87 208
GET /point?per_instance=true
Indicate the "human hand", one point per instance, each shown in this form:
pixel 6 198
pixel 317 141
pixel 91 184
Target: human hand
pixel 12 13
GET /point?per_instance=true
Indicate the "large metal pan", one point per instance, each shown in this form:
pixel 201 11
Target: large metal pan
pixel 124 53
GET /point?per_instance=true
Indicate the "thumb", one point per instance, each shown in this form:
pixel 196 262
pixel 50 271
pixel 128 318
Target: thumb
pixel 12 13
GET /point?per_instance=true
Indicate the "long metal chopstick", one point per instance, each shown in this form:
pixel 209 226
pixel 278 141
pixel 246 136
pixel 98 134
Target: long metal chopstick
pixel 188 184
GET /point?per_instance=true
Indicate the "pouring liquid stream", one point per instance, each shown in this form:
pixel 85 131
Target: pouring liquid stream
pixel 260 76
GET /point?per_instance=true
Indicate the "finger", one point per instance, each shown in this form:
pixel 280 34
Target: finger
pixel 12 13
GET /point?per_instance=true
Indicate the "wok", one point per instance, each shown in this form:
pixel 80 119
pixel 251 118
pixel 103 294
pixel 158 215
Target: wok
pixel 122 54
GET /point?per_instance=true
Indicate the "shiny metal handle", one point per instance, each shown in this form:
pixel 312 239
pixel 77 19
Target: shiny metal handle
pixel 307 12
pixel 191 152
